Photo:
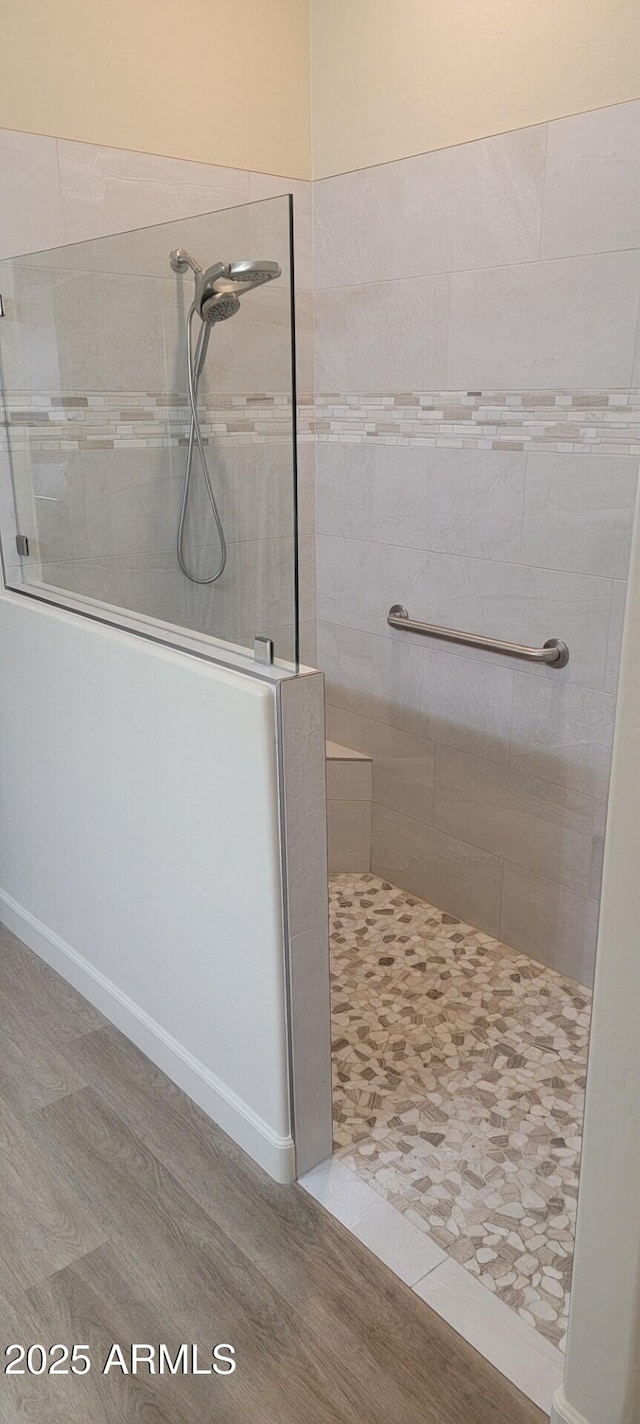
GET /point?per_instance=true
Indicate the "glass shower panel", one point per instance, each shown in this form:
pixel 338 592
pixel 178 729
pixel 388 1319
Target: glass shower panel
pixel 96 425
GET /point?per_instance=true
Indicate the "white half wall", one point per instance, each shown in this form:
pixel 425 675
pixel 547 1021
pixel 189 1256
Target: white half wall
pixel 140 854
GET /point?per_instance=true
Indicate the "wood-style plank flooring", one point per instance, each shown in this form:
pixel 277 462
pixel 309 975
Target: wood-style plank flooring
pixel 126 1216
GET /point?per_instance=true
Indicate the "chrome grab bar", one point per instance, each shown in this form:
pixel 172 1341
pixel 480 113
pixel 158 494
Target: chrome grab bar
pixel 555 653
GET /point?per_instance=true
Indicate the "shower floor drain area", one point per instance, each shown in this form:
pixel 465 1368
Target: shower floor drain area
pixel 458 1089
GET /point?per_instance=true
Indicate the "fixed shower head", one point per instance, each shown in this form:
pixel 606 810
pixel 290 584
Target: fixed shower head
pixel 246 275
pixel 219 288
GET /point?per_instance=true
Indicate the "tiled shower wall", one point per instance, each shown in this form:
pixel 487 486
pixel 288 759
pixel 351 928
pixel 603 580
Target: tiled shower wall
pixel 476 442
pixel 477 430
pixel 98 459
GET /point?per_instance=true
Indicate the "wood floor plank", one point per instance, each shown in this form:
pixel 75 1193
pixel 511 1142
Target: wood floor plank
pixel 189 1262
pixel 98 1301
pixel 44 1225
pixel 32 1070
pixel 159 1226
pixel 26 1399
pixel 55 1007
pixel 280 1231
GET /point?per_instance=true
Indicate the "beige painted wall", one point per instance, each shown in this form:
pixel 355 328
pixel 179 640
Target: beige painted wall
pixel 199 79
pixel 394 79
pixel 389 80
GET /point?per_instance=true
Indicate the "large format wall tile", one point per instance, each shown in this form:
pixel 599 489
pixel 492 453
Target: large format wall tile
pixel 59 505
pixel 549 922
pixel 253 485
pixel 150 584
pixel 358 582
pixel 541 825
pixel 563 733
pixel 254 595
pixel 349 834
pixel 453 501
pixel 28 336
pixel 387 336
pixel 528 605
pixel 50 506
pixel 475 205
pixel 108 330
pixel 451 873
pixel 346 656
pixel 578 512
pixel 568 323
pixel 107 190
pixel 31 213
pixel 592 182
pixel 344 488
pixel 463 702
pixel 403 765
pixel 616 629
pixel 132 499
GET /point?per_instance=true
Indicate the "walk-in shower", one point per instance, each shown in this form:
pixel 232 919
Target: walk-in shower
pixel 218 290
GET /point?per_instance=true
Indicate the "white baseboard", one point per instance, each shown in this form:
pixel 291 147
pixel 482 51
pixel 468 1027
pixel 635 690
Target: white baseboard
pixel 271 1151
pixel 564 1413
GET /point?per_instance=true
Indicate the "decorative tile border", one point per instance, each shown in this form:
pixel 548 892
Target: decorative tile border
pixel 584 422
pixel 129 420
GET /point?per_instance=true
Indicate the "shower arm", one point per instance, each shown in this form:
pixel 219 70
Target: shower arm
pixel 180 260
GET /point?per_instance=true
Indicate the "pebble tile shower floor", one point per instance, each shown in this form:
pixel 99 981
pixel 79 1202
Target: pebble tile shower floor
pixel 459 1070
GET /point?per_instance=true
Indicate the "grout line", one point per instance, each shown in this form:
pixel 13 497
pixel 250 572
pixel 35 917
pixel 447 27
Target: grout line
pixel 534 262
pixel 436 1267
pixel 498 857
pixel 476 558
pixel 543 196
pixel 479 138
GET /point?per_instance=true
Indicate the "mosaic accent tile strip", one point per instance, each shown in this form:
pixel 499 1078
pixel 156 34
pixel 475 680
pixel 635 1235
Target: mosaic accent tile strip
pixel 459 1071
pixel 586 422
pixel 128 420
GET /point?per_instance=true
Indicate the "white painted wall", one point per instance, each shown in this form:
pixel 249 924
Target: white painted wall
pixel 602 1379
pixel 139 853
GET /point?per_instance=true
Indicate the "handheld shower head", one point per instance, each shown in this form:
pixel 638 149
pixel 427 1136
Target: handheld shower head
pixel 217 297
pixel 219 307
